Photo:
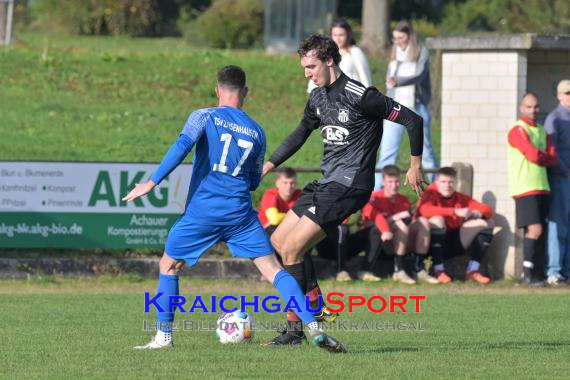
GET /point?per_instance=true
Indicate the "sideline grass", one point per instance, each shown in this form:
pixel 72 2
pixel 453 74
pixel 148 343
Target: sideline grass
pixel 80 329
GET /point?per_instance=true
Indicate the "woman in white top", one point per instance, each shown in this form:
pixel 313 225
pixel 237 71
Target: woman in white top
pixel 353 63
pixel 408 83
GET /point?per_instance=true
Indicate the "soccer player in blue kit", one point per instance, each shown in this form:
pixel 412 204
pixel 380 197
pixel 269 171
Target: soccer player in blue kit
pixel 230 148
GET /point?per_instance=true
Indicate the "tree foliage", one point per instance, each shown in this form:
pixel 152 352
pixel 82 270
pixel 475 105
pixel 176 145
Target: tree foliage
pixel 232 24
pixel 113 17
pixel 508 16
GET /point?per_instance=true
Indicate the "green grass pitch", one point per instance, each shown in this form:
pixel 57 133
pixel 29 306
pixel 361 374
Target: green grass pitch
pixel 85 329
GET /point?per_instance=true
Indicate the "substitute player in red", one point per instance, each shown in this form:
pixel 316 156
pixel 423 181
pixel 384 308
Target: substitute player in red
pixel 278 200
pixel 389 219
pixel 457 222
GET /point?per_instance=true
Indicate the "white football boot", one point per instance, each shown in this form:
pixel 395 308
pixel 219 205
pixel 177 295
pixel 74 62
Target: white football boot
pixel 160 340
pixel 425 277
pixel 403 278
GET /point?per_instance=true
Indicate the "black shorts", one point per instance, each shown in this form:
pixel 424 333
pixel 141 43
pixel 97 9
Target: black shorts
pixel 331 246
pixel 532 209
pixel 453 246
pixel 329 204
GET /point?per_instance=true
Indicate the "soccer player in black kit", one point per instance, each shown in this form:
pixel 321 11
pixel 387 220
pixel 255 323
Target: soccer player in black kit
pixel 349 117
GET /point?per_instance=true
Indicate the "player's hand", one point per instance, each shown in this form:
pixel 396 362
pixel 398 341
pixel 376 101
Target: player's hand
pixel 475 214
pixel 462 212
pixel 139 190
pixel 386 236
pixel 391 83
pixel 267 167
pixel 415 178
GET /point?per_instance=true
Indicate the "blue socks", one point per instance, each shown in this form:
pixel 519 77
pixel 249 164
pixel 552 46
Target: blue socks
pixel 286 284
pixel 289 288
pixel 167 284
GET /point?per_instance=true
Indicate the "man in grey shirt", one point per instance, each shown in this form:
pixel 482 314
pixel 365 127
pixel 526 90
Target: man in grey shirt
pixel 558 128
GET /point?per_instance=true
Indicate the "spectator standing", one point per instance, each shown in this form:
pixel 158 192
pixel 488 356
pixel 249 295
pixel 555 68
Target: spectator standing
pixel 557 127
pixel 407 82
pixel 354 63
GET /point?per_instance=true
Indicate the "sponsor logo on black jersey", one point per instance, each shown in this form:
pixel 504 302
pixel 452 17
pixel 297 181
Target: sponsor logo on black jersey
pixel 343 115
pixel 333 134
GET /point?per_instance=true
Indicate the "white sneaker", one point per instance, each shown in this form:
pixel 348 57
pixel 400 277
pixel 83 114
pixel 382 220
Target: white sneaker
pixel 425 277
pixel 160 340
pixel 553 280
pixel 402 277
pixel 368 276
pixel 343 276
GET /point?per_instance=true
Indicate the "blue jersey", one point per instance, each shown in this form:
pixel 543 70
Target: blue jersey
pixel 230 147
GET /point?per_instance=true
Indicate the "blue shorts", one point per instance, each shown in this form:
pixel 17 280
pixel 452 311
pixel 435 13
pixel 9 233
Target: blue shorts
pixel 188 239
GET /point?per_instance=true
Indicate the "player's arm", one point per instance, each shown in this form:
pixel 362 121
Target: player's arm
pixel 550 153
pixel 294 141
pixel 520 140
pixel 378 106
pixel 369 212
pixel 554 135
pixel 428 207
pixel 268 206
pixel 175 155
pixel 191 132
pixel 430 210
pixel 256 173
pixel 480 209
pixel 274 216
pixel 405 214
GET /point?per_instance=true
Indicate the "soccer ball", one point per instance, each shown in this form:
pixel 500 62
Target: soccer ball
pixel 235 327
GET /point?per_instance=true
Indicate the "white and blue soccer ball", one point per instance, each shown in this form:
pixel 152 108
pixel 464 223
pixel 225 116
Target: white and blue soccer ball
pixel 235 327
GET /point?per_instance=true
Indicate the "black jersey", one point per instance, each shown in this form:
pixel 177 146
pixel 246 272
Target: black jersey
pixel 349 117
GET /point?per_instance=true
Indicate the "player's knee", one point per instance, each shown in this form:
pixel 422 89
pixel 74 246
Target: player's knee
pixel 534 231
pixel 437 222
pixel 276 242
pixel 423 223
pixel 289 252
pixel 168 265
pixel 402 228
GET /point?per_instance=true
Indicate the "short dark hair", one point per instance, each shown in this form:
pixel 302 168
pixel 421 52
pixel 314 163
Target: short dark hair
pixel 391 171
pixel 286 172
pixel 447 171
pixel 342 23
pixel 324 48
pixel 231 76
